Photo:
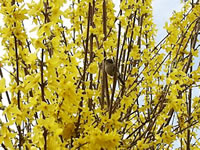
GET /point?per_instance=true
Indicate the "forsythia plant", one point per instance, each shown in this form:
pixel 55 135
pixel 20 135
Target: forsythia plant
pixel 58 95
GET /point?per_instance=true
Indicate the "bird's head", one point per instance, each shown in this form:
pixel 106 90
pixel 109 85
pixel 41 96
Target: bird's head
pixel 110 61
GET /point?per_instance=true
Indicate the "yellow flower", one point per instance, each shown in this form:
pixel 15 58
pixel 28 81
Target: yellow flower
pixel 68 130
pixel 38 43
pixel 46 28
pixel 93 68
pixel 99 139
pixel 6 136
pixel 2 85
pixel 19 14
pixel 31 58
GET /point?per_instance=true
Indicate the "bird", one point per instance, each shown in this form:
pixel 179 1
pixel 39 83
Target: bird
pixel 110 69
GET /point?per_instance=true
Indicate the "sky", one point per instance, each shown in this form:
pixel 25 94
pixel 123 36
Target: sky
pixel 162 10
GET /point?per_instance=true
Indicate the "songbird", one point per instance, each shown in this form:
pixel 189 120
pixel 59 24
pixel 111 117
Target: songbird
pixel 110 69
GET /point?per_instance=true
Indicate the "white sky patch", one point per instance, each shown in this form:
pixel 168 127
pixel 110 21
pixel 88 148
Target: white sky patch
pixel 162 11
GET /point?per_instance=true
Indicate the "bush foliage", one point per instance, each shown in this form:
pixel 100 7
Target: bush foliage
pixel 58 95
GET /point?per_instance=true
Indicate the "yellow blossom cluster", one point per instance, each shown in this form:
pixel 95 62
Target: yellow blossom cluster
pixel 56 94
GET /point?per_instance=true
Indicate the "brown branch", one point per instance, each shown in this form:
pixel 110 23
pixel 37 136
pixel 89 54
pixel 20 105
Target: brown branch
pixel 43 84
pixel 104 76
pixel 4 147
pixel 91 54
pixel 130 43
pixel 86 49
pixel 84 70
pixel 104 21
pixel 18 93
